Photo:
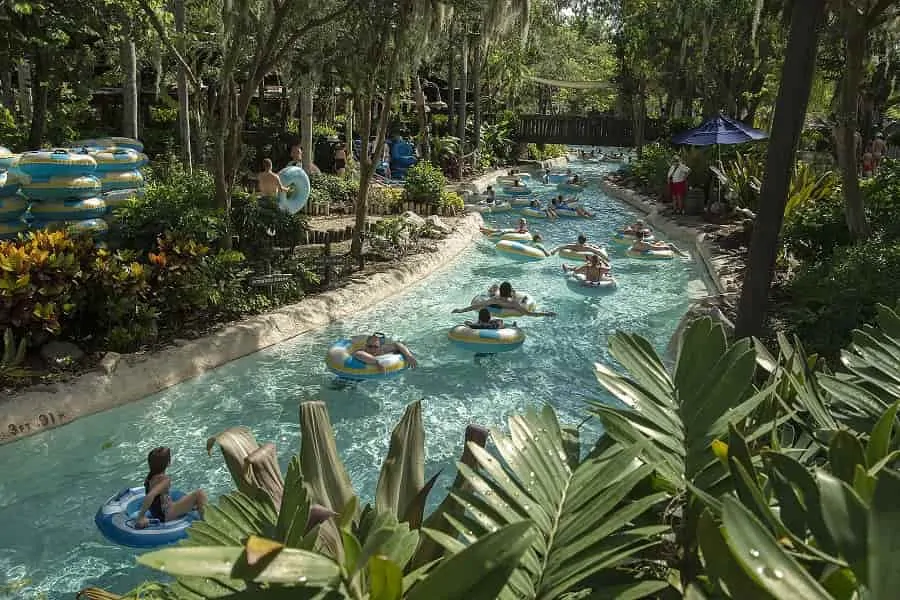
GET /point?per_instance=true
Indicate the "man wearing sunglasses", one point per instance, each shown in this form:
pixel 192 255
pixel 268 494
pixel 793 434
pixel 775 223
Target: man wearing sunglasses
pixel 376 347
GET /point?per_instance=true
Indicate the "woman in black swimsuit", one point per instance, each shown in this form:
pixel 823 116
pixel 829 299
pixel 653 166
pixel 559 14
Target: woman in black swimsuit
pixel 157 486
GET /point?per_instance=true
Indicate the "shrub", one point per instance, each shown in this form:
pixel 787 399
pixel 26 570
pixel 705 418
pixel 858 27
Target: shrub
pixel 452 201
pixel 385 200
pixel 652 167
pixel 261 224
pixel 829 299
pixel 113 308
pixel 545 151
pixel 882 199
pixel 338 190
pixel 425 183
pixel 180 286
pixel 37 280
pixel 813 230
pixel 175 203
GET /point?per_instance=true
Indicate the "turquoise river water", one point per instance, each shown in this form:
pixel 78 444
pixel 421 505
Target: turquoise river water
pixel 52 483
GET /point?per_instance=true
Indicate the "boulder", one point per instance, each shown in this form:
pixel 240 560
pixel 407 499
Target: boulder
pixel 61 354
pixel 435 222
pixel 413 219
pixel 109 362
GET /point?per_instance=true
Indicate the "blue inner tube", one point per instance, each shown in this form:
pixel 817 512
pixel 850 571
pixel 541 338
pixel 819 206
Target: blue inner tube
pixel 69 210
pixel 295 178
pixel 115 520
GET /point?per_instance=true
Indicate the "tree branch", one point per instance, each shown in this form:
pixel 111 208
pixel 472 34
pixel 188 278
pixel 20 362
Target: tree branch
pixel 161 32
pixel 275 57
pixel 878 14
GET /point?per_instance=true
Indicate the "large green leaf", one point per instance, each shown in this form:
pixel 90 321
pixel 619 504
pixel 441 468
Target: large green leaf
pixel 763 560
pixel 293 518
pixel 323 470
pixel 884 536
pixel 846 517
pixel 403 471
pixel 480 571
pixel 681 415
pixel 585 519
pixel 289 566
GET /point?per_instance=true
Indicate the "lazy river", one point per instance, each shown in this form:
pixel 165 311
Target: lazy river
pixel 52 483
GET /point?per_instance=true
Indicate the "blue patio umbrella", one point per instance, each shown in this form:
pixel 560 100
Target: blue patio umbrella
pixel 719 130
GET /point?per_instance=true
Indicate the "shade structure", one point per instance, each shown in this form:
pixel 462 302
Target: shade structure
pixel 719 130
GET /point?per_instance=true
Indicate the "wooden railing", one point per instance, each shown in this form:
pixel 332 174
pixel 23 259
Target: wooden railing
pixel 599 130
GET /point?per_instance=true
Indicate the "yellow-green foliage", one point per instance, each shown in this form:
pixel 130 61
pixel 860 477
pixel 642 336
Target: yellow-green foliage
pixel 37 280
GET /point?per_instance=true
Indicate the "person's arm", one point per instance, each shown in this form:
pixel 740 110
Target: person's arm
pixel 369 359
pixel 469 308
pixel 402 349
pixel 281 186
pixel 161 487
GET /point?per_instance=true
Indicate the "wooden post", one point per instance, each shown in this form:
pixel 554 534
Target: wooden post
pixel 326 276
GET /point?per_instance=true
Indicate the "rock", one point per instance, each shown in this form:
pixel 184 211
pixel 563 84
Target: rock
pixel 413 219
pixel 61 354
pixel 109 362
pixel 435 222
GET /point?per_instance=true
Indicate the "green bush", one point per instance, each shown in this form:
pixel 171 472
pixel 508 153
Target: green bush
pixel 882 199
pixel 831 298
pixel 261 224
pixel 452 201
pixel 425 183
pixel 337 189
pixel 177 203
pixel 813 230
pixel 652 167
pixel 545 151
pixel 113 308
pixel 385 200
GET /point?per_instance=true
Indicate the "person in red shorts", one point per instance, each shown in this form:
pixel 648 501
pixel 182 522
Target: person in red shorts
pixel 678 174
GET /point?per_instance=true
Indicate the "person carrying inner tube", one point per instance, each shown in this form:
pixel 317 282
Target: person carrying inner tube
pixel 269 182
pixel 375 348
pixel 593 271
pixel 157 485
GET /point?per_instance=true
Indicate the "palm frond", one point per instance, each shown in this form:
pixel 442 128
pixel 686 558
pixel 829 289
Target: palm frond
pixel 584 517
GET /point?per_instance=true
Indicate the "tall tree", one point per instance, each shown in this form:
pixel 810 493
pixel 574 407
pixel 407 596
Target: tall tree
pixel 790 113
pixel 184 93
pixel 256 36
pixel 130 91
pixel 857 20
pixel 387 41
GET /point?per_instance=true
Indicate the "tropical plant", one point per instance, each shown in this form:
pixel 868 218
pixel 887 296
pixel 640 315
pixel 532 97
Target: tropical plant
pixel 809 186
pixel 446 151
pixel 497 139
pixel 587 514
pixel 742 178
pixel 37 280
pixel 425 183
pixel 452 201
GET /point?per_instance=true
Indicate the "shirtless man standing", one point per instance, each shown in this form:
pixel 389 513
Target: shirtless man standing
pixel 269 182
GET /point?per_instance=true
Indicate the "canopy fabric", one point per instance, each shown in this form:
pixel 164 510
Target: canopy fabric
pixel 576 85
pixel 719 130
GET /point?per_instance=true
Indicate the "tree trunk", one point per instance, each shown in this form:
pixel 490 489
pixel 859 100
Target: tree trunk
pixel 855 40
pixel 184 100
pixel 26 105
pixel 476 92
pixel 367 164
pixel 790 112
pixel 451 80
pixel 422 140
pixel 40 89
pixel 463 100
pixel 129 85
pixel 639 110
pixel 348 131
pixel 307 99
